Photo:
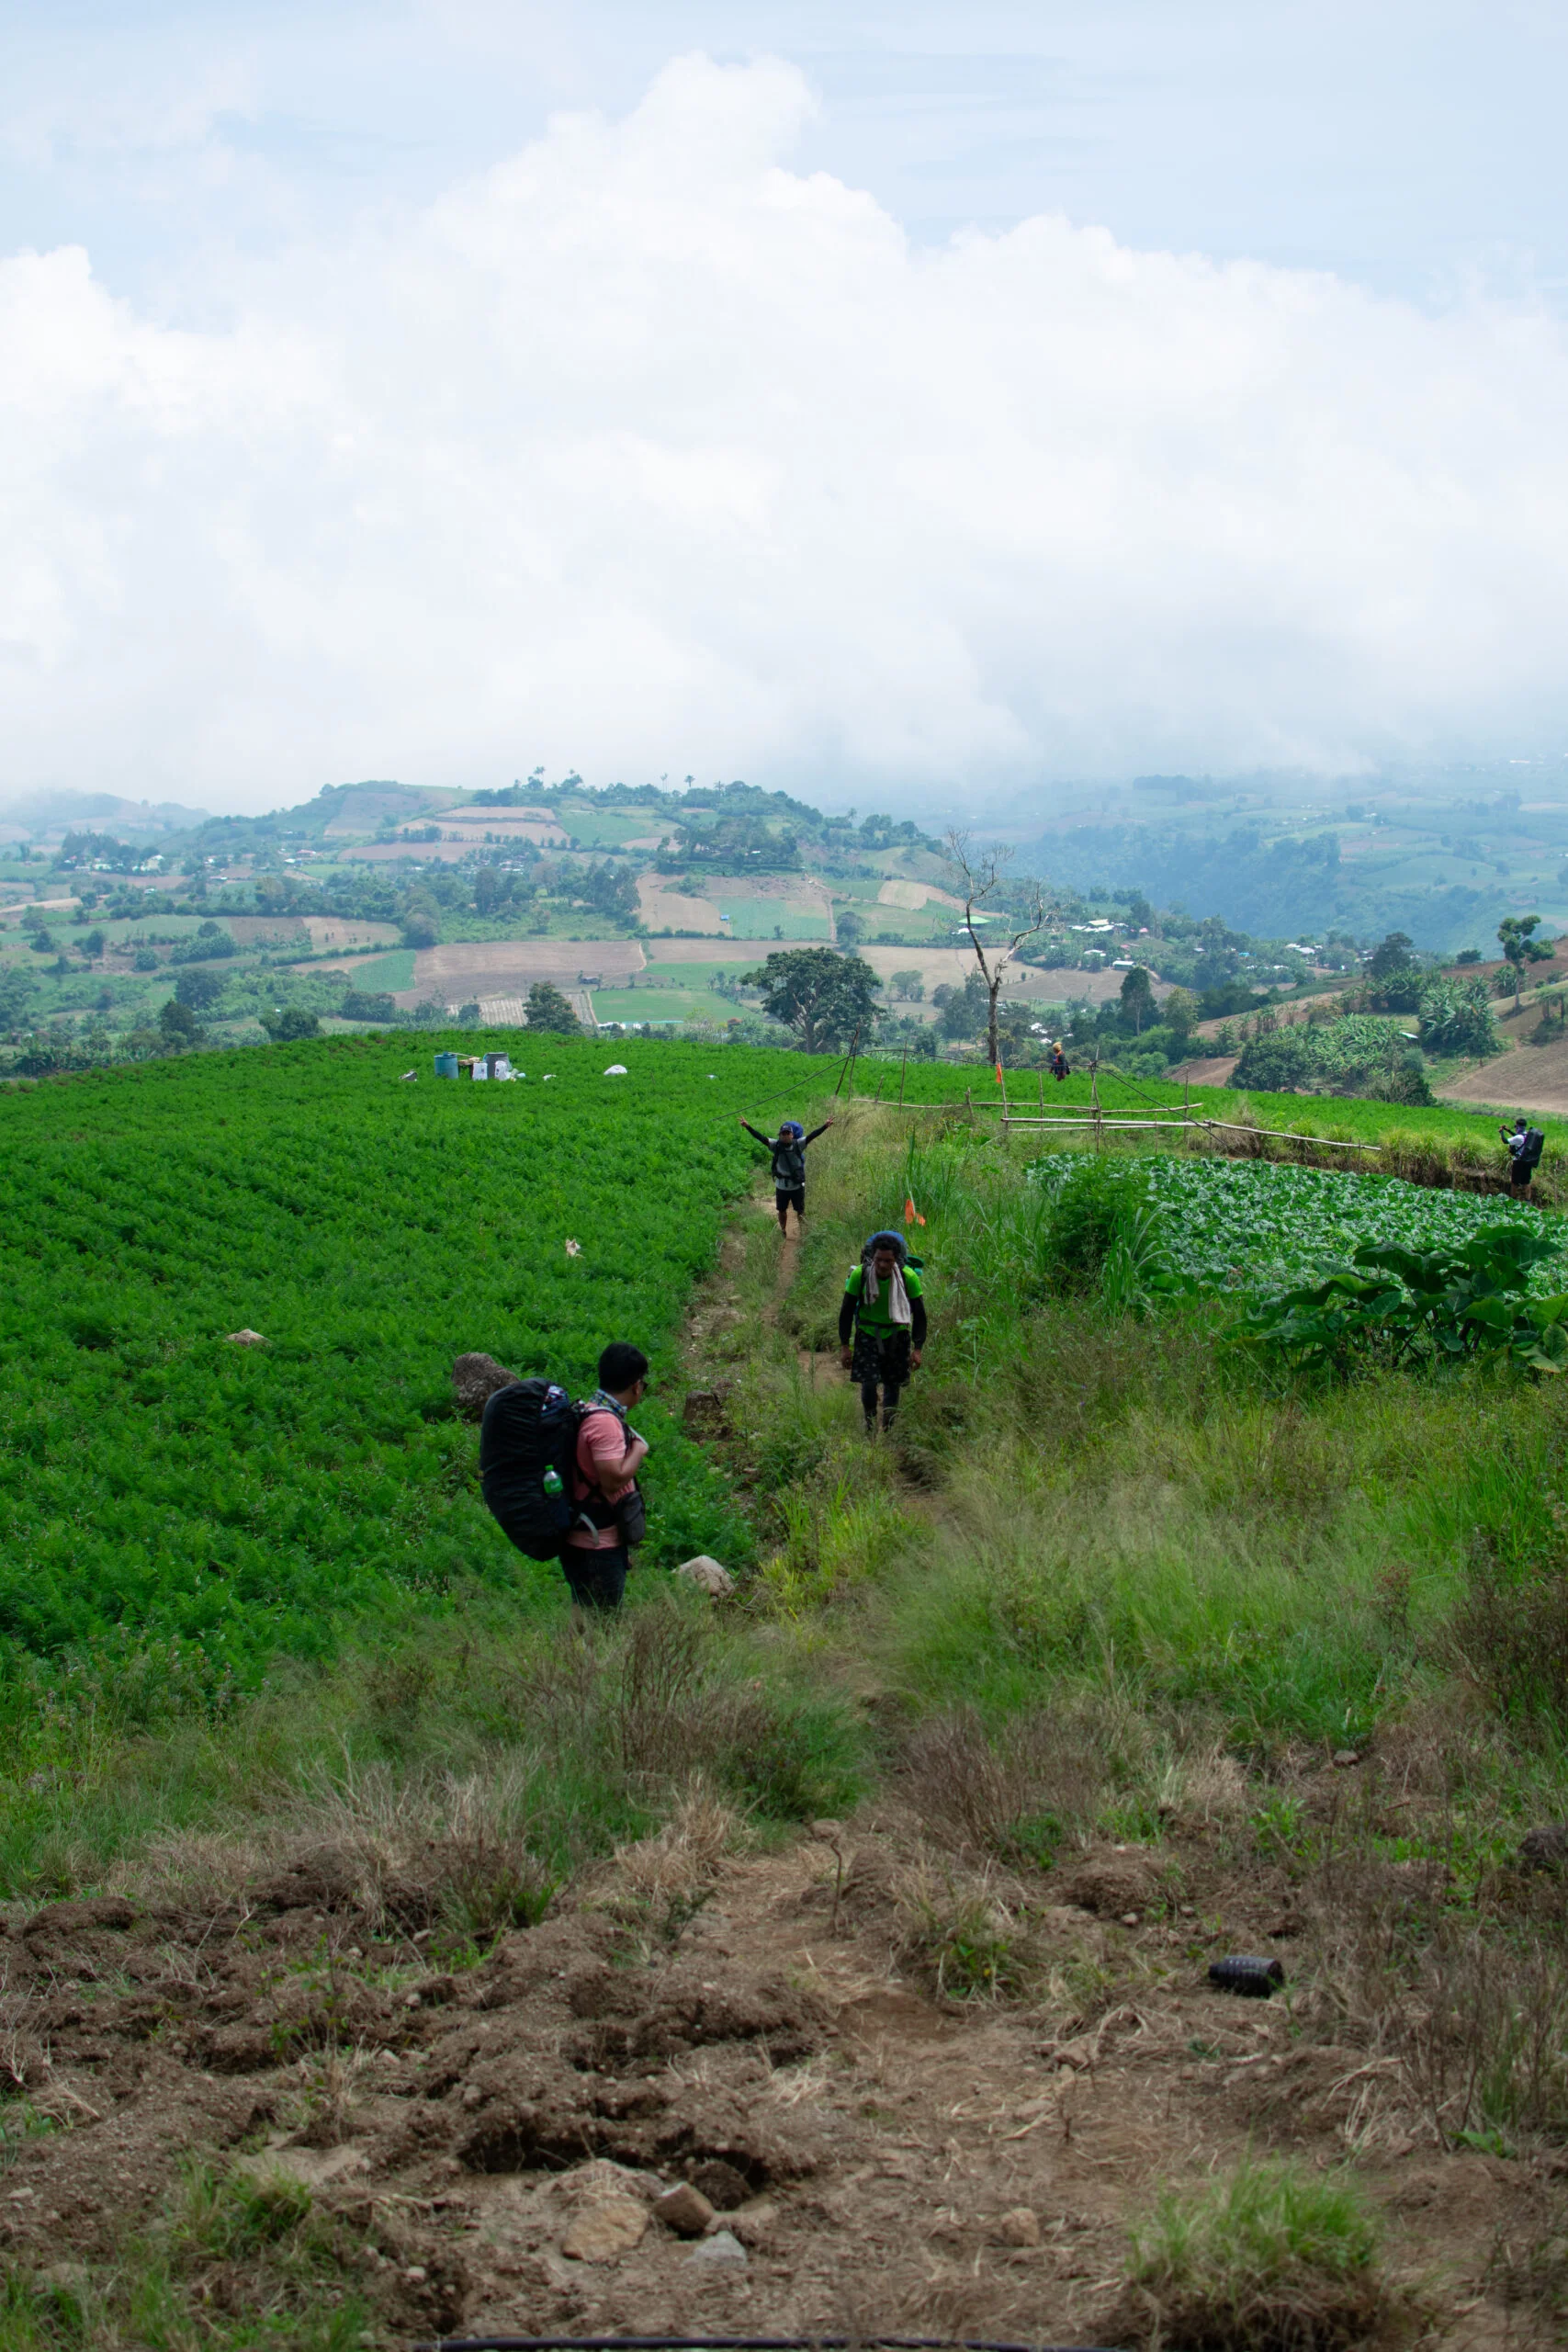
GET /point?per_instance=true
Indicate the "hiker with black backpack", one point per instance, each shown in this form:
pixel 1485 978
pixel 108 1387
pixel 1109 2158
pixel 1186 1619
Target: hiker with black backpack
pixel 1525 1144
pixel 882 1325
pixel 789 1147
pixel 561 1478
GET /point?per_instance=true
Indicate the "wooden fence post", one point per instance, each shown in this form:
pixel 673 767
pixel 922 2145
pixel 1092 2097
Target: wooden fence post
pixel 849 1057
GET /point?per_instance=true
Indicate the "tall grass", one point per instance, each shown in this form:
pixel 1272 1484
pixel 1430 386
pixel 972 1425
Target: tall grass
pixel 1119 1502
pixel 538 1746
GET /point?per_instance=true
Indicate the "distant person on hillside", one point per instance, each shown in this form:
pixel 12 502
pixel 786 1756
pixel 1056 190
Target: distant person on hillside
pixel 1525 1146
pixel 608 1517
pixel 789 1147
pixel 882 1325
pixel 1059 1070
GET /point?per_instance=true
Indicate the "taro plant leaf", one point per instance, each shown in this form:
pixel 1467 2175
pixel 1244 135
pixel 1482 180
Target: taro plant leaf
pixel 1442 1304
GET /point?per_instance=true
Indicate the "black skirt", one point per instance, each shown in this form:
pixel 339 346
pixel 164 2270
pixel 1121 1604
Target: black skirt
pixel 881 1359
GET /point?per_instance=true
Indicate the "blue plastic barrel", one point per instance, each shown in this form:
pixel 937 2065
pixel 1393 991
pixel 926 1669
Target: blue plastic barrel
pixel 446 1065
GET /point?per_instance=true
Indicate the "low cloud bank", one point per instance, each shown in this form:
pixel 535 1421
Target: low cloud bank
pixel 642 451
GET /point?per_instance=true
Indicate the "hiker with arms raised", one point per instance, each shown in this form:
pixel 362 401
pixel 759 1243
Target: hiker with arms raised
pixel 882 1325
pixel 789 1147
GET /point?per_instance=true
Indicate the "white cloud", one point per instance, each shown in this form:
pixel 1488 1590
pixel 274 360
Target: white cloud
pixel 643 453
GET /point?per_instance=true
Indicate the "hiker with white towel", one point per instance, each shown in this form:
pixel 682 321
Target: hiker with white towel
pixel 882 1325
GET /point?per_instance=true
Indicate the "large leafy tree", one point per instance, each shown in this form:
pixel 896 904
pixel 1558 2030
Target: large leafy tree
pixel 1394 957
pixel 824 996
pixel 1137 998
pixel 1520 948
pixel 547 1009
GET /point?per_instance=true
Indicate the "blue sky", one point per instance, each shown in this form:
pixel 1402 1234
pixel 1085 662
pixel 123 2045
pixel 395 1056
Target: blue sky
pixel 846 396
pixel 1406 146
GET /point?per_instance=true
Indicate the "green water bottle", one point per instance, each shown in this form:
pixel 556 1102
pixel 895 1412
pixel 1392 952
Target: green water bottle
pixel 552 1481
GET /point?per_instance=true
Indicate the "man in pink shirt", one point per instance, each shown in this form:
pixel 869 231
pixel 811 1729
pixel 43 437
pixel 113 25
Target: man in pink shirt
pixel 609 1456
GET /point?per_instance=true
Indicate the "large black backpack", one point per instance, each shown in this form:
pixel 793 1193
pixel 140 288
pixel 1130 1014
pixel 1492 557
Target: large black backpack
pixel 527 1447
pixel 1535 1143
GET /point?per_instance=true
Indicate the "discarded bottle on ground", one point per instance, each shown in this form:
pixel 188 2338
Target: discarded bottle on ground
pixel 1245 1973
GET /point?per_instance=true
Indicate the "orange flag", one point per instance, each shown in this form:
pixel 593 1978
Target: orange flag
pixel 912 1214
pixel 998 1074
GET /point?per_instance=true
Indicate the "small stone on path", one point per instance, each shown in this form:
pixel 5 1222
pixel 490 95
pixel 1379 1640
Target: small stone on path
pixel 710 1576
pixel 684 2210
pixel 603 2233
pixel 723 2246
pixel 1019 2227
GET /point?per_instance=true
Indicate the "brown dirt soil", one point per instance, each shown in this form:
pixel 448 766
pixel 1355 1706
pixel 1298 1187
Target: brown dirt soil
pixel 1526 1078
pixel 1215 1071
pixel 751 2028
pixel 497 967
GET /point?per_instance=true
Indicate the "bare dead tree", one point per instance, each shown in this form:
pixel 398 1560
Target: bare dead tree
pixel 977 877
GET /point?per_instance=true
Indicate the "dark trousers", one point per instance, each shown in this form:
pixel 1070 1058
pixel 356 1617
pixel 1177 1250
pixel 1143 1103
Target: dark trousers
pixel 598 1580
pixel 880 1363
pixel 891 1391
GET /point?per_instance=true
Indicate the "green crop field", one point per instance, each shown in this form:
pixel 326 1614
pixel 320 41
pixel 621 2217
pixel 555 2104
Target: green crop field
pixel 1341 1118
pixel 607 827
pixel 393 971
pixel 160 1487
pixel 759 918
pixel 660 1004
pixel 1259 1224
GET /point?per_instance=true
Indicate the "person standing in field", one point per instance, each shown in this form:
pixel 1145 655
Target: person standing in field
pixel 882 1325
pixel 1059 1070
pixel 1525 1145
pixel 789 1147
pixel 607 1517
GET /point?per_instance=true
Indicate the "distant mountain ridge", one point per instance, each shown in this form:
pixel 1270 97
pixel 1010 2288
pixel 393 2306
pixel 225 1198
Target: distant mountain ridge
pixel 1293 887
pixel 49 811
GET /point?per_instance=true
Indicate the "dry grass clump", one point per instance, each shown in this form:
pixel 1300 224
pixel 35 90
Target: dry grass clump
pixel 1013 1796
pixel 641 1706
pixel 1271 2258
pixel 686 1852
pixel 965 1936
pixel 1462 2004
pixel 665 1880
pixel 459 1852
pixel 1486 2044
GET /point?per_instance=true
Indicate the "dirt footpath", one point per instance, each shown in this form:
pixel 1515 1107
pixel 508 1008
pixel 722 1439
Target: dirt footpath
pixel 489 2144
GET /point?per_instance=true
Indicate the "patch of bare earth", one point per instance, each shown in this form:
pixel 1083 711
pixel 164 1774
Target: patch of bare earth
pixel 493 2141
